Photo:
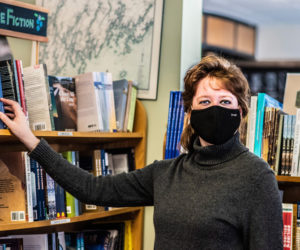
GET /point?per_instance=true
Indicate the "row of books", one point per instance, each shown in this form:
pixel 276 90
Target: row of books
pixel 30 194
pixel 88 102
pixel 175 125
pixel 114 236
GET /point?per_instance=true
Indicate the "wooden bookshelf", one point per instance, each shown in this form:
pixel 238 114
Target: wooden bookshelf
pixel 82 141
pixel 288 179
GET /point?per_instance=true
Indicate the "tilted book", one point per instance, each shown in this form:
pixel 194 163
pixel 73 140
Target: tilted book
pixel 37 97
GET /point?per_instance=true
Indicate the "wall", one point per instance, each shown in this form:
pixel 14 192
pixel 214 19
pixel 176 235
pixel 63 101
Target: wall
pixel 157 111
pixel 278 42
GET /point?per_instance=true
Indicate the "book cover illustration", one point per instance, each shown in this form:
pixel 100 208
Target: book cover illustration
pixel 64 93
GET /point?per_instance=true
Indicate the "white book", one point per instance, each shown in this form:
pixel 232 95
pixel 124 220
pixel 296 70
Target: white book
pixel 295 166
pixel 251 124
pixel 37 97
pixel 28 187
pixel 89 115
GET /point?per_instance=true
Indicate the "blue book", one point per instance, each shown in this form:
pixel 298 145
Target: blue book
pixel 169 124
pixel 176 124
pixel 263 100
pixel 172 132
pixel 60 201
pixel 120 89
pixel 180 127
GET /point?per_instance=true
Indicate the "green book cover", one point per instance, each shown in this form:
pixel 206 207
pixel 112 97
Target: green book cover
pixel 70 200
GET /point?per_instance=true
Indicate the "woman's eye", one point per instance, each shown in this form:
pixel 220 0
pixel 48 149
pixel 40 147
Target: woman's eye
pixel 204 102
pixel 225 102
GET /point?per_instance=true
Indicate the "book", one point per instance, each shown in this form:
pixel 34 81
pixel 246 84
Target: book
pixel 287 216
pixel 29 188
pixel 175 126
pixel 13 194
pixel 50 197
pixel 89 112
pixel 263 100
pixel 132 108
pixel 70 200
pixel 120 89
pixel 37 97
pixel 110 118
pixel 8 79
pixel 38 195
pixel 169 123
pixel 251 123
pixel 64 93
pixel 278 152
pixel 20 73
pixel 291 99
pixel 295 171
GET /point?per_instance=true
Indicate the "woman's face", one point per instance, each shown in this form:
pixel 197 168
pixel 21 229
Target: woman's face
pixel 209 93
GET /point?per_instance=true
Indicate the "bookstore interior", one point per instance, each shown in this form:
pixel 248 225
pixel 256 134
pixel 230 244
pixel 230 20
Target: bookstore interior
pixel 96 113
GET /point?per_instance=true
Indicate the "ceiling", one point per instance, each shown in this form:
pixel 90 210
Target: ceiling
pixel 256 12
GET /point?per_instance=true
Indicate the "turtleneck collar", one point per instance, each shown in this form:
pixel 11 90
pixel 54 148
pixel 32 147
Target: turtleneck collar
pixel 217 154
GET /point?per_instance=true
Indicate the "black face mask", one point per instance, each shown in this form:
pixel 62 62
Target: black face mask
pixel 215 124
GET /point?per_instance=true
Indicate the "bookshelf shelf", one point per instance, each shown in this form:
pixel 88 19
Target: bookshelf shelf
pixel 65 224
pixel 288 179
pixel 62 140
pixel 81 141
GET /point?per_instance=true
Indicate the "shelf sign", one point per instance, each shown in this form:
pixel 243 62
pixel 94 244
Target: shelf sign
pixel 24 20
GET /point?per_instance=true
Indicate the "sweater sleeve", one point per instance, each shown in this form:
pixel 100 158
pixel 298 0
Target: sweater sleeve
pixel 127 189
pixel 264 230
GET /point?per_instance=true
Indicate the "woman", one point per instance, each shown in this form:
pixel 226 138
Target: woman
pixel 218 195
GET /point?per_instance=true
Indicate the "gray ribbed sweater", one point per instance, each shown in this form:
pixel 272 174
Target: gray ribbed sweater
pixel 216 197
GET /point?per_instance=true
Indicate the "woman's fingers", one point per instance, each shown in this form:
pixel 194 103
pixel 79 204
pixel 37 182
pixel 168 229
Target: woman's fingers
pixel 5 119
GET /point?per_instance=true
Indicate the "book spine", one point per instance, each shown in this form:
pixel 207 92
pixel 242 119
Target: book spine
pixel 51 201
pixel 251 123
pixel 70 200
pixel 16 82
pixel 287 216
pixel 169 125
pixel 42 201
pixel 279 145
pixel 29 204
pixel 132 109
pixel 172 128
pixel 21 86
pixel 180 126
pixel 176 125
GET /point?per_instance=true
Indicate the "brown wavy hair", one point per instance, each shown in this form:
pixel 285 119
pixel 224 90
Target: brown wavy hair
pixel 231 78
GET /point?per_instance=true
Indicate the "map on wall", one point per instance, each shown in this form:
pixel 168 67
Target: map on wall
pixel 119 36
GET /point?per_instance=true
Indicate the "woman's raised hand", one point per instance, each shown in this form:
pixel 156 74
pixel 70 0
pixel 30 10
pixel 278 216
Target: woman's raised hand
pixel 16 121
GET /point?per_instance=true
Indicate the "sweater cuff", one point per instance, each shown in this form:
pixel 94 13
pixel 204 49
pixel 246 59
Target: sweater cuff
pixel 43 153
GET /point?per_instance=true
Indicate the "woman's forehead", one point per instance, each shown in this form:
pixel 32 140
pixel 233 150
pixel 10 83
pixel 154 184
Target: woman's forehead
pixel 210 83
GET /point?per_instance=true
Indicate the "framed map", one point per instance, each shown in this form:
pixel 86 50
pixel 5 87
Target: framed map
pixel 120 36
